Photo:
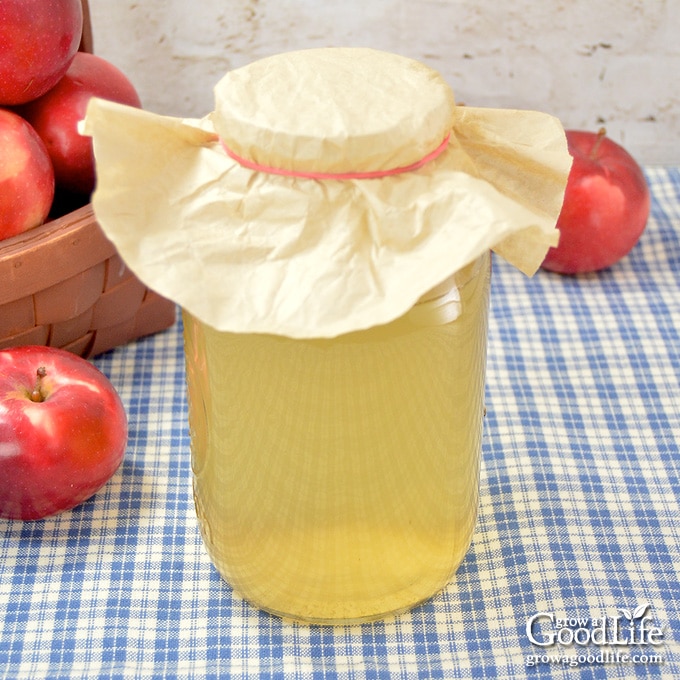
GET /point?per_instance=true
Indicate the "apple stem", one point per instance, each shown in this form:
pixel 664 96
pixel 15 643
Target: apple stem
pixel 37 395
pixel 601 134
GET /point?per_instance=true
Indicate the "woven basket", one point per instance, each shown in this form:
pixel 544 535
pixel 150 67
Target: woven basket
pixel 64 285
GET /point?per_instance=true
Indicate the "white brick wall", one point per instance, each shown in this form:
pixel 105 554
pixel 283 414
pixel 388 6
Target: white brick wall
pixel 591 63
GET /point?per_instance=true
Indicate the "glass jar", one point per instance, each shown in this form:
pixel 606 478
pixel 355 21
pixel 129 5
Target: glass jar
pixel 336 480
pixel 335 424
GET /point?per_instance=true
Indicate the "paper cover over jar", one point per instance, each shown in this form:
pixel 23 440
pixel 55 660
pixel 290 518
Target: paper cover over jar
pixel 294 208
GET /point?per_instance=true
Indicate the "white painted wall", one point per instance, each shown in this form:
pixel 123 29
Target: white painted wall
pixel 590 62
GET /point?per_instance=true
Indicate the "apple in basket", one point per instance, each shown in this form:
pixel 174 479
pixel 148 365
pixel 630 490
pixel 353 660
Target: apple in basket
pixel 56 114
pixel 63 431
pixel 605 209
pixel 38 40
pixel 26 176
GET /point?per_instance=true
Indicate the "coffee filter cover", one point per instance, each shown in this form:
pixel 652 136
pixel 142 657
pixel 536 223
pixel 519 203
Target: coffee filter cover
pixel 295 208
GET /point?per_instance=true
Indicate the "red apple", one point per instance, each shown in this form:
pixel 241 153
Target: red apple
pixel 63 431
pixel 38 39
pixel 605 209
pixel 55 117
pixel 26 176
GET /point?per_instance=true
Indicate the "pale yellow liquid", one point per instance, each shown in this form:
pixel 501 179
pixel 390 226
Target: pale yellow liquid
pixel 337 480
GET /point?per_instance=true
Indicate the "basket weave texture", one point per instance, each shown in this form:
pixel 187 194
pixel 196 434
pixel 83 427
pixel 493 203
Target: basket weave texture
pixel 64 285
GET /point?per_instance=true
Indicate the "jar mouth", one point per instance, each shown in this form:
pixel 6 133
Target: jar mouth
pixel 335 110
pixel 366 174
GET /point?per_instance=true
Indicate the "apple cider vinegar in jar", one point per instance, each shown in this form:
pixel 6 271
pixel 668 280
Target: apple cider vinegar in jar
pixel 336 479
pixel 327 231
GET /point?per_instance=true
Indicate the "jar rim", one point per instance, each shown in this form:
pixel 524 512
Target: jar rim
pixel 333 110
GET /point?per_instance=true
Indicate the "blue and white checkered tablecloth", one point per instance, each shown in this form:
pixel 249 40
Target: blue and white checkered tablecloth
pixel 579 516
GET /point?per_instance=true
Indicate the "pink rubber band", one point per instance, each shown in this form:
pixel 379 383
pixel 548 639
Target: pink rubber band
pixel 372 174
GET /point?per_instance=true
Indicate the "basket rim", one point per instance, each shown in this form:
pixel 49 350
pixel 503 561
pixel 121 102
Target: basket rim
pixel 45 255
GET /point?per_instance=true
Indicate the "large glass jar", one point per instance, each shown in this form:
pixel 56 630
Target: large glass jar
pixel 336 480
pixel 335 410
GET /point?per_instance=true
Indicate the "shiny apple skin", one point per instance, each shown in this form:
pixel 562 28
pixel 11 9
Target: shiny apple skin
pixel 26 176
pixel 56 453
pixel 56 114
pixel 606 206
pixel 38 40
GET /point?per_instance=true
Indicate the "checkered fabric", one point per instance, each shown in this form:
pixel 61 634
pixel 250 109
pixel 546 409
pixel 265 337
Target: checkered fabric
pixel 579 513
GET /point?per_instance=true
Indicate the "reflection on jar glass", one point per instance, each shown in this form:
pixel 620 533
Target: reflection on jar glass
pixel 336 480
